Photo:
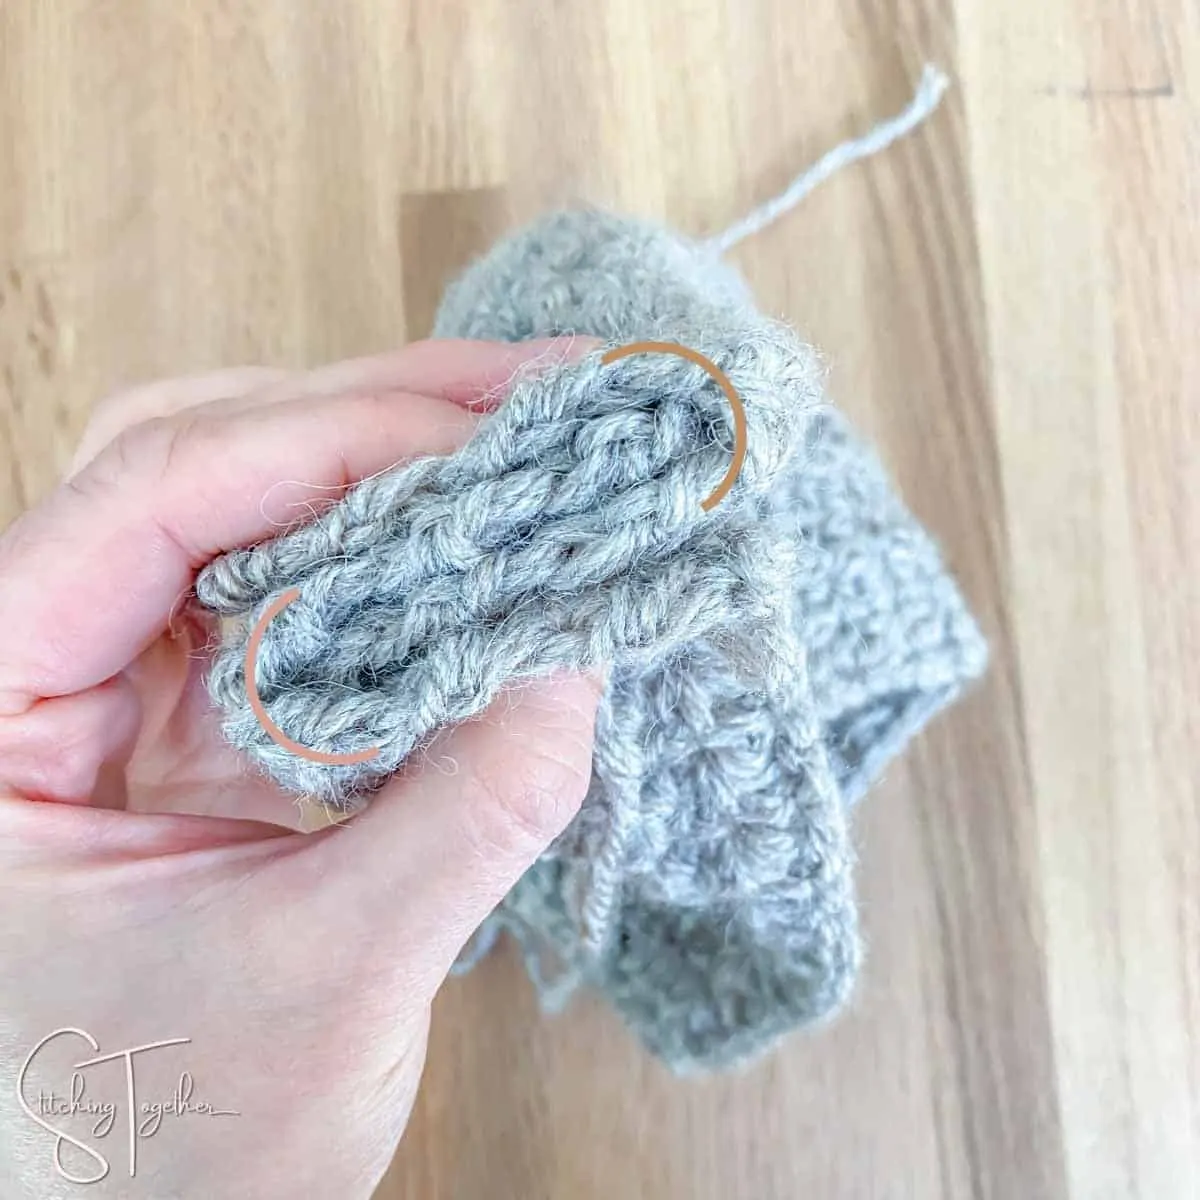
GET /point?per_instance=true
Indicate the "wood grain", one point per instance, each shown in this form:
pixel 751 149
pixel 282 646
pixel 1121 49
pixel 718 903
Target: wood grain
pixel 1009 303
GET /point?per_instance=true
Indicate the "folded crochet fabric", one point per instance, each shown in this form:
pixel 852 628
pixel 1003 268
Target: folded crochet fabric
pixel 768 655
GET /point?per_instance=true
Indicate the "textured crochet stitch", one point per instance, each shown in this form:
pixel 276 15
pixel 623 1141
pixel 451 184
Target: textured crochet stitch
pixel 768 657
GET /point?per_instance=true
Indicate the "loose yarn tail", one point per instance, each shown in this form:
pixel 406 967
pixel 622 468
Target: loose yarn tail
pixel 925 100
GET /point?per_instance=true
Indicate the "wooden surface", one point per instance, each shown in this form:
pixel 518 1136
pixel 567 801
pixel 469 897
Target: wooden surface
pixel 1010 304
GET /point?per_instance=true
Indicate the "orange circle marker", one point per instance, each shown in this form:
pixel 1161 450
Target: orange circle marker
pixel 735 402
pixel 277 735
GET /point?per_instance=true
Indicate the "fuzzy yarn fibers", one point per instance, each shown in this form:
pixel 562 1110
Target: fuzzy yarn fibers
pixel 768 656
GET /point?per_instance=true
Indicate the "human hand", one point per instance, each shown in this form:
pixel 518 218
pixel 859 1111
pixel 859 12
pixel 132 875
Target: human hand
pixel 152 887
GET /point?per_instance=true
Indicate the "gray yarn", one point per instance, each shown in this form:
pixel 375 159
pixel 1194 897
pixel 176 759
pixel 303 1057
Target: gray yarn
pixel 768 657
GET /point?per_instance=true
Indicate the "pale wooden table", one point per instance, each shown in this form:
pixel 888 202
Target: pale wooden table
pixel 1010 304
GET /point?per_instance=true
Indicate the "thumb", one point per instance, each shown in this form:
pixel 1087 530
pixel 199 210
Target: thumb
pixel 447 839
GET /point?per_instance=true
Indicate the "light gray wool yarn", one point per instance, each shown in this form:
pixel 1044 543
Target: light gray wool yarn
pixel 769 656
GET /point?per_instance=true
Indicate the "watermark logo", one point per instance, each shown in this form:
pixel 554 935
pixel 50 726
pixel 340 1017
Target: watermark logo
pixel 72 1102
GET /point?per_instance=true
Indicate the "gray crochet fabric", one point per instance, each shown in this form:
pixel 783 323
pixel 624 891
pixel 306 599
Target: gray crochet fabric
pixel 769 656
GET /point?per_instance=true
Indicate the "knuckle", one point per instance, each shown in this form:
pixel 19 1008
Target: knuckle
pixel 103 472
pixel 131 449
pixel 164 442
pixel 115 414
pixel 523 804
pixel 44 762
pixel 151 450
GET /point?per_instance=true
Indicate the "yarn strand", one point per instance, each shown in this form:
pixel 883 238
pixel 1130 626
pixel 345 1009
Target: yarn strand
pixel 932 87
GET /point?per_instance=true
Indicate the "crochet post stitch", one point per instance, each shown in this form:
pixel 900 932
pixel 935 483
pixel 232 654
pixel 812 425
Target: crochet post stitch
pixel 768 656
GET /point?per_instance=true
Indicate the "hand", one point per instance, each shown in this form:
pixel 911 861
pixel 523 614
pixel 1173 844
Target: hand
pixel 153 887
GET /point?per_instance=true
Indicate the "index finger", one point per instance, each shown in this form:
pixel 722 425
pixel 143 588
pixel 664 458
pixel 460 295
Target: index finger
pixel 88 579
pixel 464 372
